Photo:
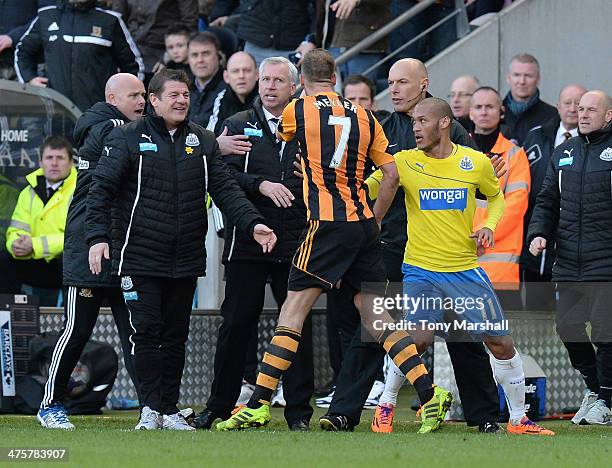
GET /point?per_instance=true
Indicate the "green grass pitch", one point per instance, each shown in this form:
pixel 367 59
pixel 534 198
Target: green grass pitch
pixel 108 441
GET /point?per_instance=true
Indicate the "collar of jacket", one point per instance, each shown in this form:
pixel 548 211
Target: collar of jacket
pixel 259 113
pixel 32 177
pixel 160 124
pixel 598 135
pixel 502 145
pixel 549 128
pixel 212 84
pixel 518 107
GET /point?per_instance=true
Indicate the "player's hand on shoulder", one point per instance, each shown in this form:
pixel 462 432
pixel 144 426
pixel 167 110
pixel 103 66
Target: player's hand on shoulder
pixel 278 193
pixel 233 144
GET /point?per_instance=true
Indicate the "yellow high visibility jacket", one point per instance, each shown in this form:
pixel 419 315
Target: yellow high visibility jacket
pixel 45 224
pixel 502 262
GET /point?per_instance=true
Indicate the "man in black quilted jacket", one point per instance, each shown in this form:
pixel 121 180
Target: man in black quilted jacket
pixel 84 292
pixel 153 178
pixel 573 210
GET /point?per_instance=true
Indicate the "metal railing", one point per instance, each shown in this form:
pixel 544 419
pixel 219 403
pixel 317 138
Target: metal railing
pixel 459 14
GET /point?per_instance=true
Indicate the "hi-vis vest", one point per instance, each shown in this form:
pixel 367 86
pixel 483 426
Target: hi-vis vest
pixel 45 224
pixel 502 262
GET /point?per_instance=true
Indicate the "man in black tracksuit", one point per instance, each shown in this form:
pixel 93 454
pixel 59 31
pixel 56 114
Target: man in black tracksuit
pixel 153 178
pixel 363 360
pixel 573 208
pixel 536 272
pixel 266 175
pixel 82 46
pixel 85 293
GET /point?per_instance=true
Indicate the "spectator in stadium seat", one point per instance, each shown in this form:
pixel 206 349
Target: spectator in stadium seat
pixel 15 16
pixel 476 8
pixel 205 63
pixel 176 40
pixel 267 178
pixel 35 237
pixel 241 78
pixel 361 90
pixel 436 41
pixel 501 262
pixel 148 21
pixel 459 98
pixel 271 28
pixel 354 21
pixel 540 142
pixel 82 47
pixel 523 108
pixel 573 210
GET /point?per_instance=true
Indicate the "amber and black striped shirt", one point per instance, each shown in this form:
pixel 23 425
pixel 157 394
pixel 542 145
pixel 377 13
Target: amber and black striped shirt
pixel 335 137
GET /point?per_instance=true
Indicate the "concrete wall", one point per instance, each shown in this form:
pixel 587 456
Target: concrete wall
pixel 571 40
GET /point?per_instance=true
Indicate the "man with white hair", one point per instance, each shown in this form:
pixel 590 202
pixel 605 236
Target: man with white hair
pixel 265 173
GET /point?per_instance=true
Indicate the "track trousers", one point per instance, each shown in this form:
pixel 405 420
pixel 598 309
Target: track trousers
pixel 244 300
pixel 159 312
pixel 81 309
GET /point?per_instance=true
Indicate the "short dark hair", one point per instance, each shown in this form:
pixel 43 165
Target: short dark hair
pixel 359 79
pixel 318 66
pixel 439 106
pixel 56 142
pixel 156 86
pixel 177 30
pixel 205 37
pixel 490 89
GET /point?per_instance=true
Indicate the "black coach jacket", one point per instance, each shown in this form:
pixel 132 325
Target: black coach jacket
pixel 398 129
pixel 520 125
pixel 574 207
pixel 263 163
pixel 89 133
pixel 539 146
pixel 82 48
pixel 203 101
pixel 158 219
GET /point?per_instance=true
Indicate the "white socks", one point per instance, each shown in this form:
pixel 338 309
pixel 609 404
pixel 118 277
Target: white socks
pixel 393 384
pixel 510 375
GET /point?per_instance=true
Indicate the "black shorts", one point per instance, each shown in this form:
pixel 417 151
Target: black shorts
pixel 331 251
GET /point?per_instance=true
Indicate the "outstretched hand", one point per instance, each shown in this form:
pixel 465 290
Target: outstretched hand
pixel 265 237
